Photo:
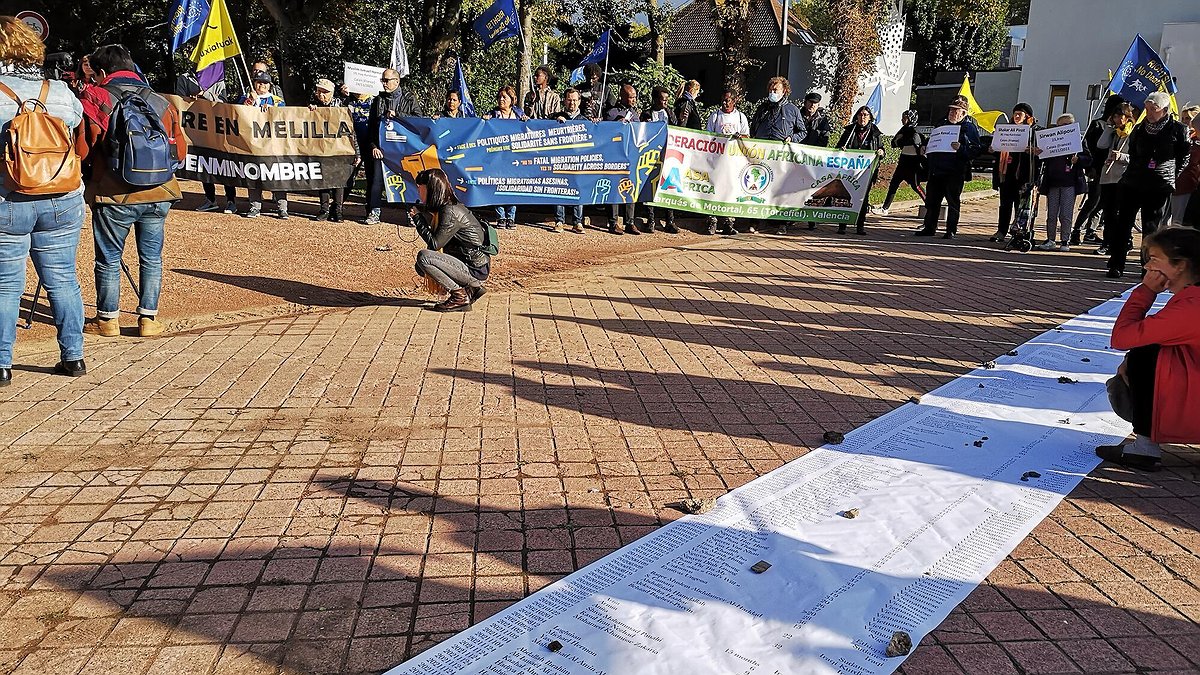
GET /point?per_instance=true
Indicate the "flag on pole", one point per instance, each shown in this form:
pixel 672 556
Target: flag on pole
pixel 211 75
pixel 1140 73
pixel 599 52
pixel 875 102
pixel 986 119
pixel 498 22
pixel 217 39
pixel 186 18
pixel 458 83
pixel 399 52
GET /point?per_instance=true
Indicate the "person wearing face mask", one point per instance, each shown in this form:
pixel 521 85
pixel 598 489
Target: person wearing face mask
pixel 1013 175
pixel 660 111
pixel 1157 386
pixel 908 168
pixel 863 135
pixel 571 112
pixel 777 119
pixel 1157 146
pixel 687 110
pixel 948 172
pixel 727 121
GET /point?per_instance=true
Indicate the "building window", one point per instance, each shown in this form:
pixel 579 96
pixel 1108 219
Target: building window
pixel 1058 101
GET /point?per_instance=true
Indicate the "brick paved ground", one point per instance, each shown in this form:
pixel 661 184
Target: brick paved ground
pixel 333 492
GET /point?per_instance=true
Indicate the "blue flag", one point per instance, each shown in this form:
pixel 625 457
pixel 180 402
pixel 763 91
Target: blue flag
pixel 1141 73
pixel 577 76
pixel 875 102
pixel 459 83
pixel 599 52
pixel 498 22
pixel 186 18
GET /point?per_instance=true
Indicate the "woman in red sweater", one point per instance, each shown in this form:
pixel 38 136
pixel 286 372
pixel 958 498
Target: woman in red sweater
pixel 1157 387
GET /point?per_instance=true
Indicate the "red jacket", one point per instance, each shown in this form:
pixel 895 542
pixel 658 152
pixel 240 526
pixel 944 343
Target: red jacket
pixel 1176 327
pixel 104 188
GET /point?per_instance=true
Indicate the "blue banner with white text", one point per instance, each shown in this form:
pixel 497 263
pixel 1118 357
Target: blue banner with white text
pixel 510 162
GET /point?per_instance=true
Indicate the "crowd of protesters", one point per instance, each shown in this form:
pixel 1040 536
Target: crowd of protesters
pixel 1133 164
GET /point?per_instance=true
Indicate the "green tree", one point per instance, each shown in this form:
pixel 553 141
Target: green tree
pixel 963 35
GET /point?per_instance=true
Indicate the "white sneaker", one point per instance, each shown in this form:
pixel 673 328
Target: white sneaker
pixel 255 211
pixel 207 207
pixel 1047 246
pixel 230 207
pixel 882 212
pixel 1064 247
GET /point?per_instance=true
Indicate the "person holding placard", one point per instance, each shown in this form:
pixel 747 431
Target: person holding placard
pixel 1062 179
pixel 1157 386
pixel 1114 143
pixel 949 167
pixel 1157 146
pixel 912 145
pixel 1015 172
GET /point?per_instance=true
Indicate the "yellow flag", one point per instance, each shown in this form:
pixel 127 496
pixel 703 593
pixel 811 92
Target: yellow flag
pixel 217 39
pixel 986 119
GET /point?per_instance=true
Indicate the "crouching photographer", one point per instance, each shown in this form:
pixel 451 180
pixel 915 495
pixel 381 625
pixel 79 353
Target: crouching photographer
pixel 460 248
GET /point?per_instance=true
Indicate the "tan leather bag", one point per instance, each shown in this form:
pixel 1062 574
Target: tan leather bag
pixel 38 155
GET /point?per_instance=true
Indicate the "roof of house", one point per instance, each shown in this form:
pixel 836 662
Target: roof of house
pixel 693 30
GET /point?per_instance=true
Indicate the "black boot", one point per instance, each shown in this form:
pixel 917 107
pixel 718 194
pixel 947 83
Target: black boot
pixel 71 368
pixel 336 215
pixel 712 224
pixel 5 377
pixel 670 228
pixel 842 229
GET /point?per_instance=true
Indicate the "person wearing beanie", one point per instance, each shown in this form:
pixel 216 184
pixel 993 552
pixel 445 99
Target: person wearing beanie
pixel 1091 208
pixel 331 199
pixel 1014 174
pixel 911 144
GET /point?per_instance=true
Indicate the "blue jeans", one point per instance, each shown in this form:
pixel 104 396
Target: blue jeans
pixel 110 225
pixel 560 213
pixel 508 213
pixel 47 230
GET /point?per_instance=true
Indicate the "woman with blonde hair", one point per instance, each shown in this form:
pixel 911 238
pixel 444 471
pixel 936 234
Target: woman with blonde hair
pixel 44 227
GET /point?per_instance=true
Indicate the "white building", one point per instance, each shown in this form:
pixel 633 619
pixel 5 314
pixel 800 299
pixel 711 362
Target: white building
pixel 1071 44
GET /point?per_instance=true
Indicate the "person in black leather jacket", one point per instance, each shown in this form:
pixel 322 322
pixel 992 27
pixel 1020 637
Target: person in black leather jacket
pixel 687 111
pixel 461 266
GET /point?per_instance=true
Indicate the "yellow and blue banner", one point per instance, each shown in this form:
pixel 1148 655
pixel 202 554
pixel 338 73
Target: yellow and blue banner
pixel 507 162
pixel 1141 73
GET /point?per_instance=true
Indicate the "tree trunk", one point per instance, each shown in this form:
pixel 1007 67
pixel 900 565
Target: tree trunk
pixel 856 38
pixel 732 18
pixel 659 25
pixel 525 59
pixel 443 37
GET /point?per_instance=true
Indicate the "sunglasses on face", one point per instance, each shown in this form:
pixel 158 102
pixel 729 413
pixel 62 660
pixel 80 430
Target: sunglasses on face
pixel 385 80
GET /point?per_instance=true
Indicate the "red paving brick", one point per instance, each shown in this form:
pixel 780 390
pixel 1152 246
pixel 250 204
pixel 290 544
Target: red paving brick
pixel 338 491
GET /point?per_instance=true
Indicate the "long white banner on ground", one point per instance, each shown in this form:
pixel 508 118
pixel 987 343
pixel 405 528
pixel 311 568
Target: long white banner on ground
pixel 815 566
pixel 747 178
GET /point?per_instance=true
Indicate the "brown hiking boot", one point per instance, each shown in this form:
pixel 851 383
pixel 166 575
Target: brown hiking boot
pixel 148 326
pixel 102 327
pixel 458 301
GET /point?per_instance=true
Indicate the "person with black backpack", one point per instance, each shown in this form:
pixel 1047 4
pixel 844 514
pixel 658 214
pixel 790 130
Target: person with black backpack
pixel 133 145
